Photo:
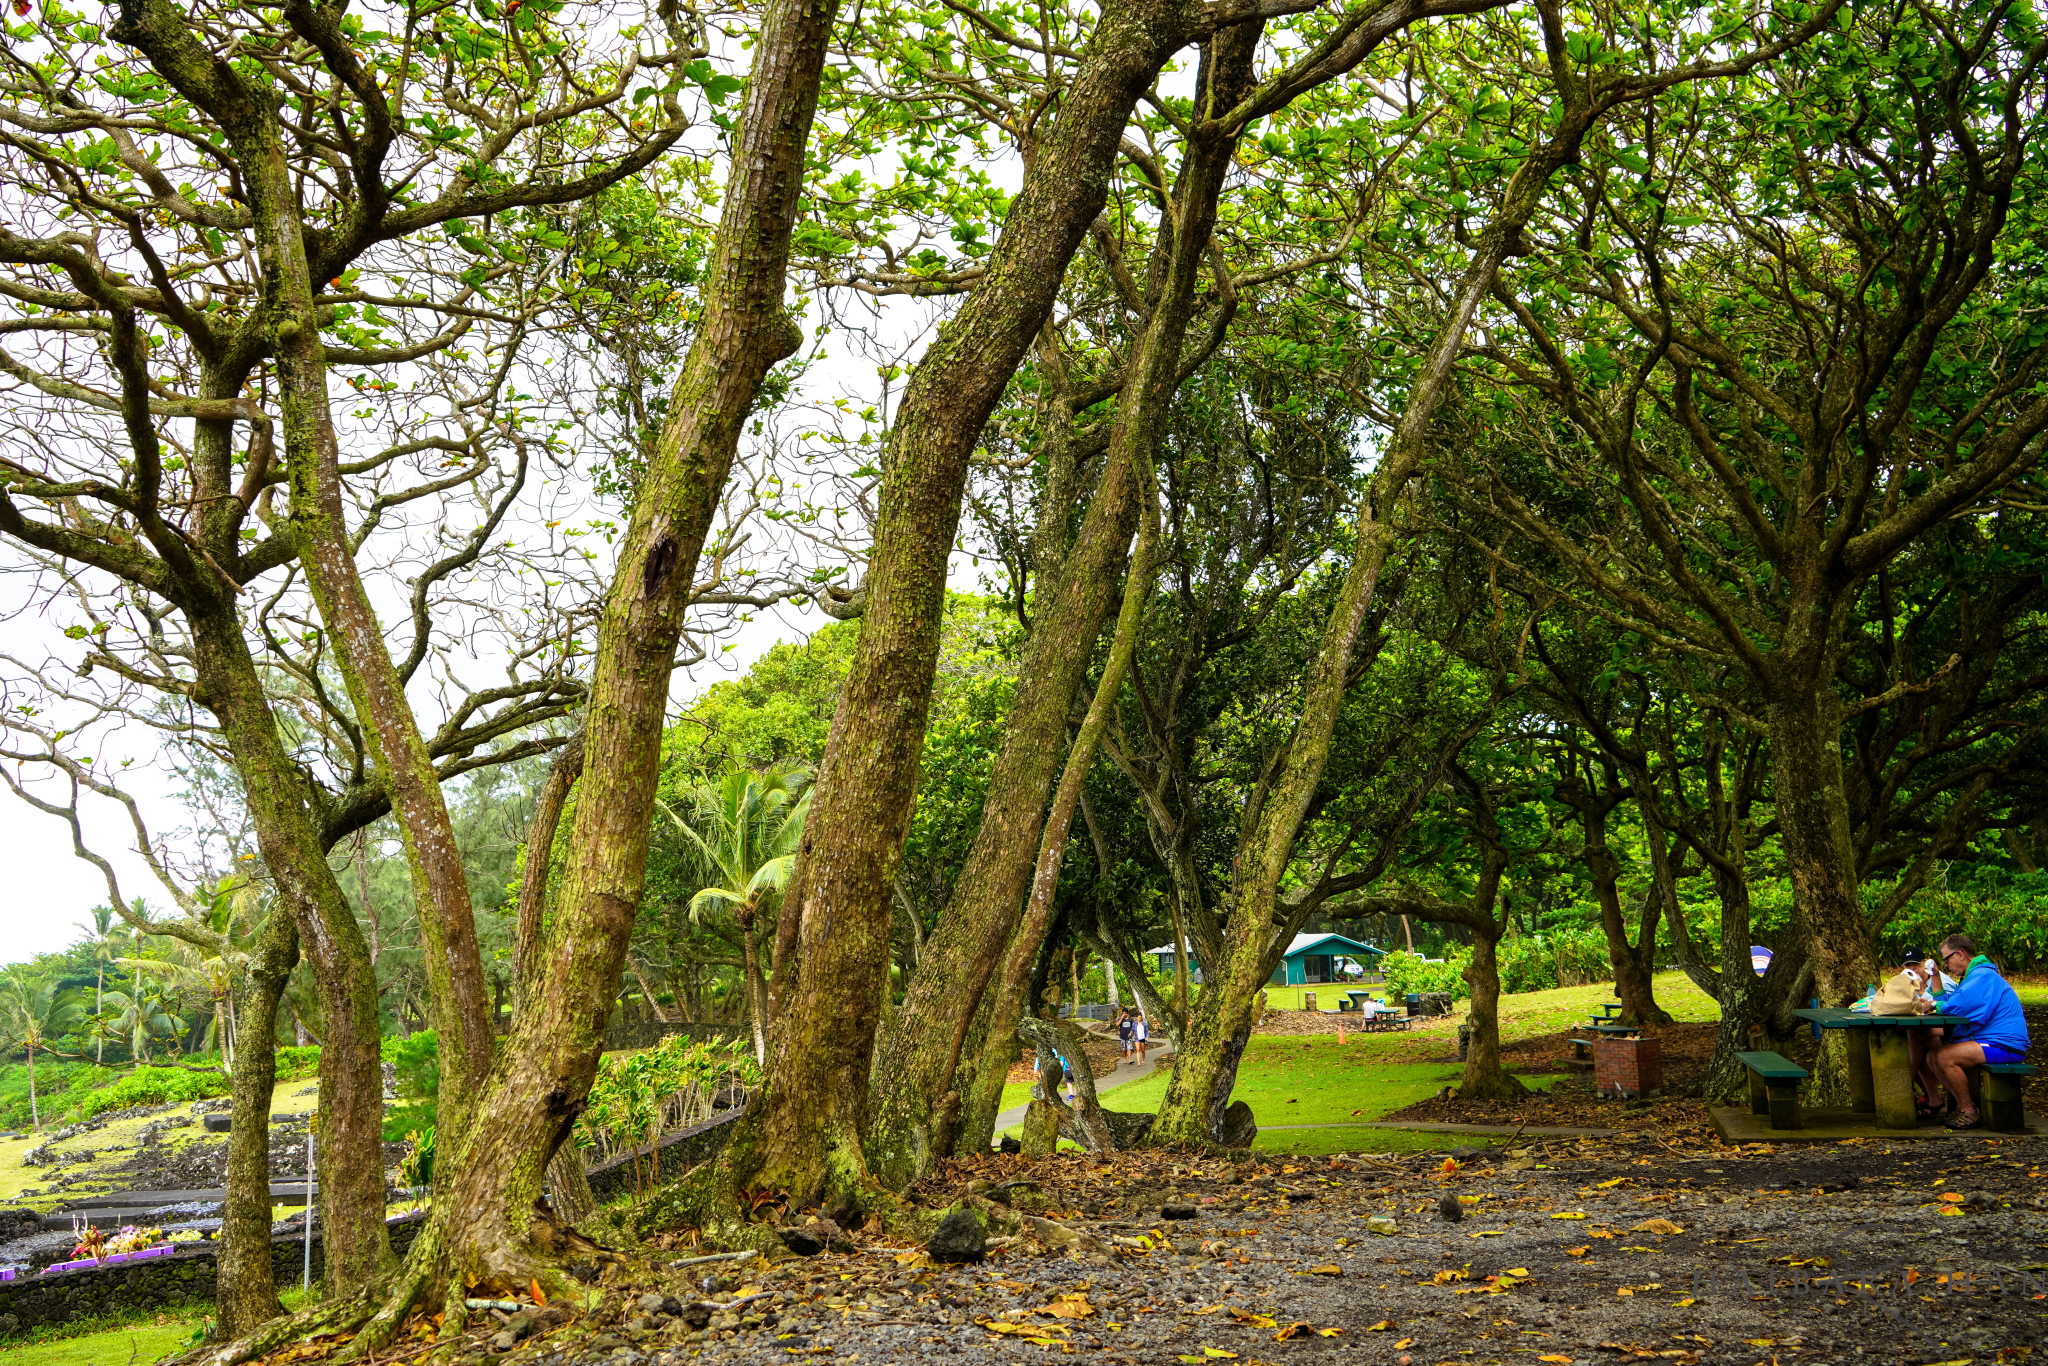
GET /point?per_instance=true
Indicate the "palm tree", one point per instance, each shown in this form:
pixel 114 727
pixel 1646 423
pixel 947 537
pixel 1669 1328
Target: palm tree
pixel 746 828
pixel 33 1015
pixel 102 940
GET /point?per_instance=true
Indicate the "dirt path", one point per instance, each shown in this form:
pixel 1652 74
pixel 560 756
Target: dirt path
pixel 1576 1252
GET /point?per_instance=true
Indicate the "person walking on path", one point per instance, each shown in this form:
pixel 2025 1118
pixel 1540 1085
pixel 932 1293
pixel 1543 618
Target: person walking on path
pixel 1126 1033
pixel 1144 1036
pixel 1996 1031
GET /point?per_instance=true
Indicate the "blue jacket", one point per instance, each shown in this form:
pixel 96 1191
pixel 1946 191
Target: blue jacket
pixel 1990 1005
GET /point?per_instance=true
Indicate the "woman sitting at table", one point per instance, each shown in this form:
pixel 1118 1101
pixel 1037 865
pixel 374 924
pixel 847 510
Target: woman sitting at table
pixel 1996 1028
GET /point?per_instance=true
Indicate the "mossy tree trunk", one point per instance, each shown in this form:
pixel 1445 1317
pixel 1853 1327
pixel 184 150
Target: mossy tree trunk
pixel 806 1131
pixel 914 1071
pixel 246 1293
pixel 1258 920
pixel 484 1224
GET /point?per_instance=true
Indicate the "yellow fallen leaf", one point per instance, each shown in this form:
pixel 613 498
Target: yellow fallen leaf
pixel 1517 1271
pixel 1216 1352
pixel 1684 1302
pixel 1608 1233
pixel 1329 1332
pixel 1573 1215
pixel 1381 1326
pixel 1251 1320
pixel 1657 1226
pixel 1577 1251
pixel 1329 1269
pixel 1624 1291
pixel 1954 1211
pixel 1610 1185
pixel 1950 1195
pixel 1490 1233
pixel 1553 1356
pixel 1449 1274
pixel 1404 1342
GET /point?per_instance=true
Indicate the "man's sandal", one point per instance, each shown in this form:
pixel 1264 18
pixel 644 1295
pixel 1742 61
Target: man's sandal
pixel 1961 1121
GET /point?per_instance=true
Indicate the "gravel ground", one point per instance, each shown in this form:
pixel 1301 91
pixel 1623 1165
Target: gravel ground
pixel 1594 1252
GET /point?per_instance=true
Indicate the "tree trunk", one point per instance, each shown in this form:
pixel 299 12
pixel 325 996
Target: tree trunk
pixel 757 991
pixel 1268 845
pixel 1484 1078
pixel 1052 845
pixel 1632 963
pixel 246 1293
pixel 1813 819
pixel 35 1115
pixel 807 1129
pixel 483 1222
pixel 527 917
pixel 354 1239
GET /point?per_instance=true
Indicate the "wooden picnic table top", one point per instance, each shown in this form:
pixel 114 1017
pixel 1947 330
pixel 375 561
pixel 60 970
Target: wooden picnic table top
pixel 1840 1017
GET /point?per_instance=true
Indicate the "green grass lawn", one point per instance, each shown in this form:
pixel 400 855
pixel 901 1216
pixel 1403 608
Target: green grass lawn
pixel 1312 1079
pixel 136 1343
pixel 1289 1080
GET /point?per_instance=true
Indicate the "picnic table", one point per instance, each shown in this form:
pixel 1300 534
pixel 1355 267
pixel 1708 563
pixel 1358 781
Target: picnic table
pixel 1880 1063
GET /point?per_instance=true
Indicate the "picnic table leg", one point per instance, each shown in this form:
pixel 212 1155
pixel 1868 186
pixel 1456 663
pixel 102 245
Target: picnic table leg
pixel 1862 1092
pixel 1891 1071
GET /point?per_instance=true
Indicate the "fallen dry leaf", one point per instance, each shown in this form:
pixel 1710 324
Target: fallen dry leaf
pixel 1381 1326
pixel 1656 1226
pixel 1328 1269
pixel 1577 1251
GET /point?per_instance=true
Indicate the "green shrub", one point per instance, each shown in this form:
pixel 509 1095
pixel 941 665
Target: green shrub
pixel 297 1064
pixel 1406 972
pixel 404 1118
pixel 1561 958
pixel 418 1060
pixel 153 1086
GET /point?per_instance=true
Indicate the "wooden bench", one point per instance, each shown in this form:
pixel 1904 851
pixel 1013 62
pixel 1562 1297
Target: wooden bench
pixel 1774 1087
pixel 1996 1088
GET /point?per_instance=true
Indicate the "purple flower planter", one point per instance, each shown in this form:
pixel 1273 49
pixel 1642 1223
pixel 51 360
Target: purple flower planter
pixel 112 1258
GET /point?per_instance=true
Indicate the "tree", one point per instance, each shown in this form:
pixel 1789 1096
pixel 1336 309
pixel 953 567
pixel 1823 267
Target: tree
pixel 746 829
pixel 1780 321
pixel 103 941
pixel 273 221
pixel 34 1014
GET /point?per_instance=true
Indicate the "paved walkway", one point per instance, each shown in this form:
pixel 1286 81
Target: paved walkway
pixel 1161 1053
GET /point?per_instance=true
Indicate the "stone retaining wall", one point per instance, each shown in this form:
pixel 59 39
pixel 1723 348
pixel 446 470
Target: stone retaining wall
pixel 624 1033
pixel 680 1151
pixel 186 1277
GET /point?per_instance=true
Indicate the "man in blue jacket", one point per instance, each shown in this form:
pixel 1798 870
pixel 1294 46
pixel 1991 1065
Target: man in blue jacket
pixel 1996 1031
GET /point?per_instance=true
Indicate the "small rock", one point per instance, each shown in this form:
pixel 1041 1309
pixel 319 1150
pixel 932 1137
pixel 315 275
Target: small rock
pixel 800 1242
pixel 1178 1211
pixel 218 1124
pixel 505 1341
pixel 959 1238
pixel 650 1303
pixel 1450 1207
pixel 1381 1223
pixel 1011 1145
pixel 1979 1200
pixel 1465 1152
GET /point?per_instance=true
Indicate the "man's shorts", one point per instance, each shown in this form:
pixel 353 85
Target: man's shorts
pixel 1999 1053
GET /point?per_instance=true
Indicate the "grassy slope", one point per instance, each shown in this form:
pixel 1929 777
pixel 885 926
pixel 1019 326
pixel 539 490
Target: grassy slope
pixel 293 1097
